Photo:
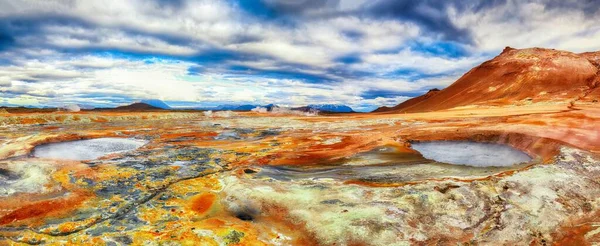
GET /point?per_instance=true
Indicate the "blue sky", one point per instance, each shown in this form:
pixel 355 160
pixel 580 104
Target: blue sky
pixel 361 53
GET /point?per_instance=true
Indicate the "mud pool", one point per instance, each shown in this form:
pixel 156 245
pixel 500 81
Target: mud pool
pixel 86 149
pixel 471 153
pixel 386 165
pixel 23 177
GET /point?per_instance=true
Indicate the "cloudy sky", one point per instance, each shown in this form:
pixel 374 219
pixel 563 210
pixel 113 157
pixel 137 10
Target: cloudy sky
pixel 362 53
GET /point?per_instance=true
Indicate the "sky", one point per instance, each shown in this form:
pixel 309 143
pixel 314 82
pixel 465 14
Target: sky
pixel 203 53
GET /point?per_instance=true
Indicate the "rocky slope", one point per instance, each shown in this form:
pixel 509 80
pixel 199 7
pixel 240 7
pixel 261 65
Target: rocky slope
pixel 594 94
pixel 409 103
pixel 517 77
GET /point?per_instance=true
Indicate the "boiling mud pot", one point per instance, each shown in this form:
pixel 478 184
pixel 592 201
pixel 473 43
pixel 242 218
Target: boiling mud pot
pixel 387 165
pixel 86 149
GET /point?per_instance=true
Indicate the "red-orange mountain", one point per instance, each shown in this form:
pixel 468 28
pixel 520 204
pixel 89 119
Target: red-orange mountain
pixel 410 102
pixel 516 76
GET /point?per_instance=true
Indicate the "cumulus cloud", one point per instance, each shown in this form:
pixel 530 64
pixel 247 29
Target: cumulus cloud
pixel 291 52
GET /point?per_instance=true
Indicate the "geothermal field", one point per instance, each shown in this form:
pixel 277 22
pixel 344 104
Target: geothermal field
pixel 509 174
pixel 300 122
pixel 508 154
pixel 491 172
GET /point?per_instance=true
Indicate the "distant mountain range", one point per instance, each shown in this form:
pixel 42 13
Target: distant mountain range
pixel 246 107
pixel 243 107
pixel 325 108
pixel 333 108
pixel 157 105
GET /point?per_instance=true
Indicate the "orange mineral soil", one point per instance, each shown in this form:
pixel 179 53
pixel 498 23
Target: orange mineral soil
pixel 203 202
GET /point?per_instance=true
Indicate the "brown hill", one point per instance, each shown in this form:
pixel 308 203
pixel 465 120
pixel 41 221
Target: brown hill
pixel 134 107
pixel 410 102
pixel 594 94
pixel 517 76
pixel 16 110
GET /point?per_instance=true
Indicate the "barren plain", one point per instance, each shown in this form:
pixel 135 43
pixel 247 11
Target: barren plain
pixel 254 179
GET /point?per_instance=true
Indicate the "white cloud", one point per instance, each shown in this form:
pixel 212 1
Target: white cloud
pixel 407 59
pixel 528 24
pixel 63 78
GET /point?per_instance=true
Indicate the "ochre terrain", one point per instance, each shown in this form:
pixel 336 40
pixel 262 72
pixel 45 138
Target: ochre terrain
pixel 225 199
pixel 408 103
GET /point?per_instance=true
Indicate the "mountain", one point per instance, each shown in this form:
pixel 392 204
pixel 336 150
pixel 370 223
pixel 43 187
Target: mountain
pixel 235 107
pixel 331 108
pixel 136 107
pixel 410 102
pixel 594 94
pixel 28 109
pixel 156 103
pixel 247 107
pixel 516 77
pixel 270 107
